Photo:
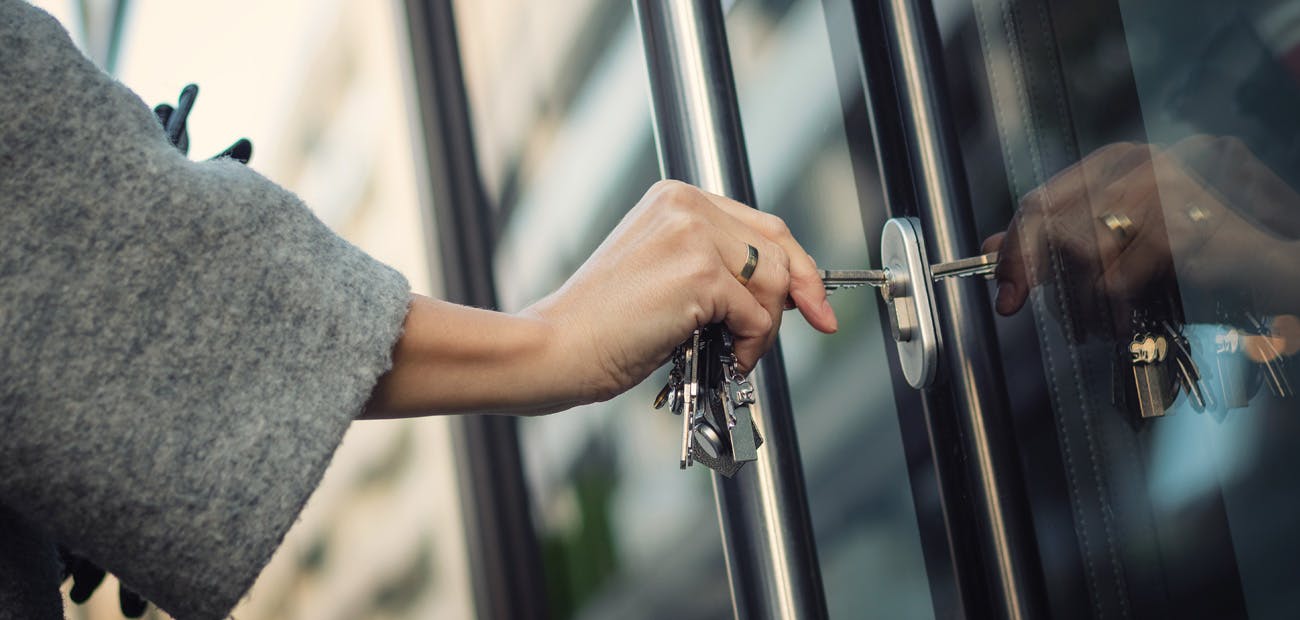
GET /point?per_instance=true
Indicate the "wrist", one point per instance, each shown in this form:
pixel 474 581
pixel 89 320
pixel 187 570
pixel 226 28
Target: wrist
pixel 570 360
pixel 457 359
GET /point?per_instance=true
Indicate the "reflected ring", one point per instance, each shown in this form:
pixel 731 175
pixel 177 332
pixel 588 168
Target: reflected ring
pixel 751 263
pixel 1119 224
pixel 1198 215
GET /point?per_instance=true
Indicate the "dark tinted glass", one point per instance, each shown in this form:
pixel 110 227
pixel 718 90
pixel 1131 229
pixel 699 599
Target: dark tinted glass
pixel 1148 150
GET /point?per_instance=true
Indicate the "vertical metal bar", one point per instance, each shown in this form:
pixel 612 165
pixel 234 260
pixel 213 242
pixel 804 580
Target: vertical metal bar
pixel 504 556
pixel 766 528
pixel 905 74
pixel 102 24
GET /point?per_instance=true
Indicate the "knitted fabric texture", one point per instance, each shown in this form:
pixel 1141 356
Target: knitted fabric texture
pixel 182 345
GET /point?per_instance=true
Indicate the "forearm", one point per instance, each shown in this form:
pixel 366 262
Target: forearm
pixel 665 270
pixel 456 359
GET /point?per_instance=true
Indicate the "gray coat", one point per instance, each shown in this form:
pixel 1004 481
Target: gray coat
pixel 182 345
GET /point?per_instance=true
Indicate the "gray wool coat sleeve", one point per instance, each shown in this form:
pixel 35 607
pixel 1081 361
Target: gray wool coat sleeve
pixel 182 345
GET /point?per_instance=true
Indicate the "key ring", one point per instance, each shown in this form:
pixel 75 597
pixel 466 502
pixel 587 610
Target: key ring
pixel 1119 224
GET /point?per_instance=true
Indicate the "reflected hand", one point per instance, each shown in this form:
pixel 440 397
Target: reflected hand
pixel 671 266
pixel 1117 219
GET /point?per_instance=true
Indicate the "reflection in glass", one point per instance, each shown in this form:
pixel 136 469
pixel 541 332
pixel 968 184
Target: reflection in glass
pixel 1149 150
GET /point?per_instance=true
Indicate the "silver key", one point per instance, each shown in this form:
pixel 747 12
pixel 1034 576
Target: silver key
pixel 690 394
pixel 1274 364
pixel 982 265
pixel 836 279
pixel 1187 371
pixel 714 400
pixel 1238 378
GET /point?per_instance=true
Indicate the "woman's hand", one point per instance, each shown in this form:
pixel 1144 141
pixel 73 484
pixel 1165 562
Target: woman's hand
pixel 670 266
pixel 1118 218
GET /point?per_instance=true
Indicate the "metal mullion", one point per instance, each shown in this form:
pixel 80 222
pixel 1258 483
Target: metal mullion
pixel 505 561
pixel 763 511
pixel 999 575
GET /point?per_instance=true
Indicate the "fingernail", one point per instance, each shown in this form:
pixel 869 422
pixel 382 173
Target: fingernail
pixel 830 312
pixel 1006 297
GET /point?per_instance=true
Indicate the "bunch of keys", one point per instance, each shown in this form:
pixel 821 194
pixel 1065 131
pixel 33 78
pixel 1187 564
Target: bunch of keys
pixel 714 400
pixel 1163 366
pixel 1160 358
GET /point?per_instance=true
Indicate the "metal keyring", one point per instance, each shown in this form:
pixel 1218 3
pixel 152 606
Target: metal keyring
pixel 750 264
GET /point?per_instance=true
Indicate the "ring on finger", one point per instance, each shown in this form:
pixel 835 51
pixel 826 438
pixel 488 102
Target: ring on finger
pixel 1119 224
pixel 751 263
pixel 1199 217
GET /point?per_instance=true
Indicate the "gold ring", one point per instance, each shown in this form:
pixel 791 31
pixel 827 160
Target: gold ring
pixel 751 263
pixel 1199 216
pixel 1119 224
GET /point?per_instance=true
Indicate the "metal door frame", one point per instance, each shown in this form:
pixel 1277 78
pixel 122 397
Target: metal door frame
pixel 505 560
pixel 698 133
pixel 980 482
pixel 763 511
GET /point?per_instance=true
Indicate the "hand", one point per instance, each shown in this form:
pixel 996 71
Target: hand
pixel 669 267
pixel 1117 218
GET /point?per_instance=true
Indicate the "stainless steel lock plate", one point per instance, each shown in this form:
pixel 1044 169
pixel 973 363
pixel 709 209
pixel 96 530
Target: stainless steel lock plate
pixel 909 293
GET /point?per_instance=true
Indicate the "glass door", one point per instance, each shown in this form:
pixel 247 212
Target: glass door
pixel 916 497
pixel 870 479
pixel 1141 158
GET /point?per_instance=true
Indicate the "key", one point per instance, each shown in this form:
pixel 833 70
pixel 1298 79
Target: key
pixel 724 436
pixel 690 396
pixel 982 265
pixel 1238 378
pixel 737 394
pixel 836 279
pixel 1188 373
pixel 1152 388
pixel 714 400
pixel 1274 364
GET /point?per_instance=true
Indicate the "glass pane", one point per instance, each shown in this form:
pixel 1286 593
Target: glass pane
pixel 808 171
pixel 1148 150
pixel 625 534
pixel 562 120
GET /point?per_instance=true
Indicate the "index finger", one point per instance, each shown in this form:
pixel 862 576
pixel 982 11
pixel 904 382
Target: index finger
pixel 806 287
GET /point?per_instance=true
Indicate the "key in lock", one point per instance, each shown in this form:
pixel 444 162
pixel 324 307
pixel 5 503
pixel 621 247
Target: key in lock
pixel 906 285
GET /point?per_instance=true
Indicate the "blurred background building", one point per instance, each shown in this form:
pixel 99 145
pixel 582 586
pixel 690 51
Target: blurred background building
pixel 321 89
